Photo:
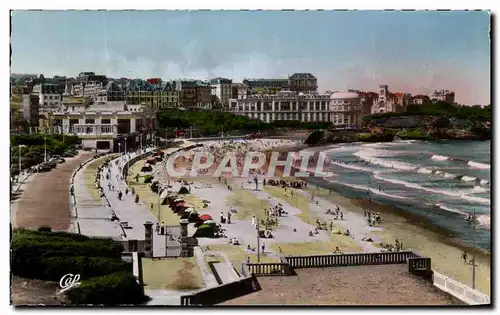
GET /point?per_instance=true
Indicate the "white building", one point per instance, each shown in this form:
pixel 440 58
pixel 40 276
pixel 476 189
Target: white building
pixel 283 106
pixel 345 109
pixel 49 95
pixel 222 89
pixel 99 124
pixel 444 96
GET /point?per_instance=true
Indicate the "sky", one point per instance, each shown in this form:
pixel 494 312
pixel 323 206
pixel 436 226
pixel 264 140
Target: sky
pixel 415 52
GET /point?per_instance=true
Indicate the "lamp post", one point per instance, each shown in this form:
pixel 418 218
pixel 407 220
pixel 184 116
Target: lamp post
pixel 45 149
pixel 473 219
pixel 119 148
pixel 20 158
pixel 258 241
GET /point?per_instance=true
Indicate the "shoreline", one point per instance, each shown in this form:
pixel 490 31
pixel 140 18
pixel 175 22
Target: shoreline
pixel 415 232
pixel 383 205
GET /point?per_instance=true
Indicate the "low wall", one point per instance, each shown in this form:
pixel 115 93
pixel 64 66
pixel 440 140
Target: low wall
pixel 356 259
pixel 223 292
pixel 460 291
pixel 267 269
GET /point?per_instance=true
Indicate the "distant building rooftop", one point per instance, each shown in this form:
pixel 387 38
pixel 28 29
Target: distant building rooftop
pixel 356 285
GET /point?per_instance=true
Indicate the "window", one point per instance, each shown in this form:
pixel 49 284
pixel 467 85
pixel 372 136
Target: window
pixel 105 121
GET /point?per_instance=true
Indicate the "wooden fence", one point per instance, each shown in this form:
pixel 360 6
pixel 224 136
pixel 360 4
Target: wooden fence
pixel 356 259
pixel 269 269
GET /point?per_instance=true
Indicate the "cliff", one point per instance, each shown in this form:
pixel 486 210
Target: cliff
pixel 384 129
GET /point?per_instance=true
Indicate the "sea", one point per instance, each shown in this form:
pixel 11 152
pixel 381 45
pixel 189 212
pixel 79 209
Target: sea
pixel 443 181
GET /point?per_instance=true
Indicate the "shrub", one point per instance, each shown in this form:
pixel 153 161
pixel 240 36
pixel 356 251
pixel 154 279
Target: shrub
pixel 204 230
pixel 414 135
pixel 148 179
pixel 45 228
pixel 53 268
pixel 314 137
pixel 113 289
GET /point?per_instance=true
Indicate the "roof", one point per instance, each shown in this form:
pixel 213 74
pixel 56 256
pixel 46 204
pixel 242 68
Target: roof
pixel 354 285
pixel 420 96
pixel 344 95
pixel 302 76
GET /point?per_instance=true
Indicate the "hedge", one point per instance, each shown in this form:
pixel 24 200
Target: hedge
pixel 113 289
pixel 54 268
pixel 32 248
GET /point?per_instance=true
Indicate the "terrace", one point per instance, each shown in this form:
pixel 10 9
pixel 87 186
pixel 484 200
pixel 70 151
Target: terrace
pixel 350 285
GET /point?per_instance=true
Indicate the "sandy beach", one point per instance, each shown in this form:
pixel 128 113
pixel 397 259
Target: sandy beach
pixel 305 208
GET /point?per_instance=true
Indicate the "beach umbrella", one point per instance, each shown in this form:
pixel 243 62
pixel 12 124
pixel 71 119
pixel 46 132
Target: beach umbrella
pixel 189 210
pixel 209 222
pixel 179 200
pixel 205 217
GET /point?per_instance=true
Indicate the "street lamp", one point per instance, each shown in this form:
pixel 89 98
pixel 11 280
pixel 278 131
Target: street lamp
pixel 119 148
pixel 473 219
pixel 45 149
pixel 258 241
pixel 20 158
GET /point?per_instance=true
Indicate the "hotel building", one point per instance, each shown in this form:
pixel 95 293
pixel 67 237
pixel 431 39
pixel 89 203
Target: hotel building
pixel 340 108
pixel 102 124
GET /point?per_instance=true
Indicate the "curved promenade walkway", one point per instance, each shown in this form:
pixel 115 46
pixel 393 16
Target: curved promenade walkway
pixel 94 218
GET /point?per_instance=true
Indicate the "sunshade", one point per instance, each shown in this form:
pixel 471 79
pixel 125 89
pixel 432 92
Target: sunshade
pixel 205 217
pixel 209 222
pixel 189 210
pixel 179 200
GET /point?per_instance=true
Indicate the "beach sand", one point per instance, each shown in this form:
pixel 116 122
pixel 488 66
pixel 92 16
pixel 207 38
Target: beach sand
pixel 414 232
pixel 418 234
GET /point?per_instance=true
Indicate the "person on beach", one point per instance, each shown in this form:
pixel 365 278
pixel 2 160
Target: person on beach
pixel 464 257
pixel 254 222
pixel 263 247
pixel 157 228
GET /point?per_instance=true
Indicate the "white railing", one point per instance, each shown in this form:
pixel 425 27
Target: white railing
pixel 459 290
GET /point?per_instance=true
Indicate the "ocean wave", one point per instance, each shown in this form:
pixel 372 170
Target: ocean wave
pixel 484 182
pixel 443 207
pixel 479 190
pixel 484 220
pixel 370 155
pixel 436 191
pixel 439 157
pixel 482 166
pixel 468 178
pixel 369 189
pixel 472 164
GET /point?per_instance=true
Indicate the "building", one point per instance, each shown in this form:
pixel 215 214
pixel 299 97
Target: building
pixel 400 101
pixel 266 86
pixel 444 96
pixel 222 90
pixel 368 100
pixel 390 102
pixel 345 108
pixel 102 124
pixel 31 109
pixel 49 95
pixel 303 82
pixel 419 99
pixel 151 92
pixel 192 93
pixel 239 91
pixel 283 106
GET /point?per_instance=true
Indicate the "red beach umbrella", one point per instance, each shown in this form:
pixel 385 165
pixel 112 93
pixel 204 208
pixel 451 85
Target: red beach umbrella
pixel 205 217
